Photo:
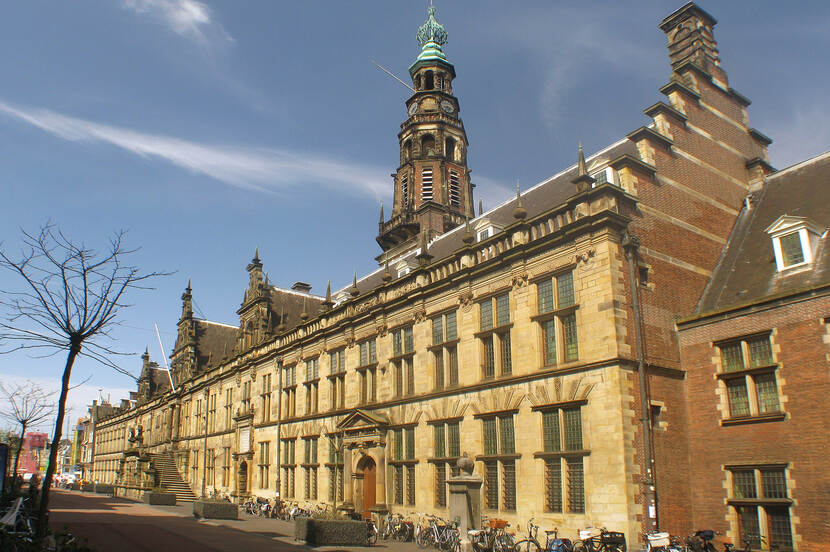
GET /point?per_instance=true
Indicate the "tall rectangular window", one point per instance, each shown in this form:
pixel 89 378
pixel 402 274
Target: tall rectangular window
pixel 312 385
pixel 403 350
pixel 556 305
pixel 265 395
pixel 337 379
pixel 403 465
pixel 211 416
pixel 226 466
pixel 289 391
pixel 762 504
pixel 748 375
pixel 264 463
pixel 562 453
pixel 444 349
pixel 455 189
pixel 310 466
pixel 496 347
pixel 426 184
pixel 499 462
pixel 289 467
pixel 367 371
pixel 228 407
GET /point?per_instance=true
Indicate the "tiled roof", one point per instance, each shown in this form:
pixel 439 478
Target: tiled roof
pixel 215 342
pixel 747 271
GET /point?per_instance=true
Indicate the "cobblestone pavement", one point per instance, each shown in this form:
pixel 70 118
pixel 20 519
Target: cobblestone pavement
pixel 114 524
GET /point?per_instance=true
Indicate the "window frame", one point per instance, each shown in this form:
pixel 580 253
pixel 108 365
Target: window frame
pixel 762 504
pixel 444 353
pixel 560 318
pixel 494 336
pixel 746 375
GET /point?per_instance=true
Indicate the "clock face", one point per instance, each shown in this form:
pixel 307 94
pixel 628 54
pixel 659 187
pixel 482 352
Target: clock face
pixel 447 106
pixel 413 108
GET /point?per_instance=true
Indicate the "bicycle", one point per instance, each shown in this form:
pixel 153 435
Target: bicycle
pixel 662 542
pixel 371 532
pixel 552 542
pixel 441 535
pixel 701 541
pixel 748 541
pixel 606 541
pixel 492 537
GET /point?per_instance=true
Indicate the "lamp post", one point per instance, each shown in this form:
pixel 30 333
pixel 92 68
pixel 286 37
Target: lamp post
pixel 278 363
pixel 204 449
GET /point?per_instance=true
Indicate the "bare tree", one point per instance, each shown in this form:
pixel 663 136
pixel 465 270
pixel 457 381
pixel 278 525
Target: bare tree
pixel 69 300
pixel 27 404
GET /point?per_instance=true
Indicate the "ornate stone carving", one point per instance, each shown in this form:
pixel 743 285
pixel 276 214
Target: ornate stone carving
pixel 584 257
pixel 465 298
pixel 519 280
pixel 419 314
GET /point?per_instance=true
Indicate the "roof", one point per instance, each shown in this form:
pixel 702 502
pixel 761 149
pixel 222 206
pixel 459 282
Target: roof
pixel 540 198
pixel 291 303
pixel 747 271
pixel 215 342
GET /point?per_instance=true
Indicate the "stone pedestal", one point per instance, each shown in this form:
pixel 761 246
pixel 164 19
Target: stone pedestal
pixel 465 500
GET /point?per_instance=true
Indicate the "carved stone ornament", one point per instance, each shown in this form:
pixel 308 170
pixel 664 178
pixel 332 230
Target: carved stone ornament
pixel 584 257
pixel 419 314
pixel 238 379
pixel 466 464
pixel 519 280
pixel 465 298
pixel 382 329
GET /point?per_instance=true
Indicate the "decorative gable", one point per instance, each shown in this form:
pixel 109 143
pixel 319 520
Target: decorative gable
pixel 794 241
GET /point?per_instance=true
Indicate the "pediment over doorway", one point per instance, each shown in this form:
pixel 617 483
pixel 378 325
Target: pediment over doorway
pixel 361 419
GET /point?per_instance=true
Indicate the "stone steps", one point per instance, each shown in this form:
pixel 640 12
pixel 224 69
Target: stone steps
pixel 171 480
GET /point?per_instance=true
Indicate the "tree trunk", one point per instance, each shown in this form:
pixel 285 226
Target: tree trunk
pixel 19 448
pixel 43 518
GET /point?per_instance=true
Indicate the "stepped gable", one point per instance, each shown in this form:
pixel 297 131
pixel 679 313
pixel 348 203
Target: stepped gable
pixel 536 200
pixel 214 342
pixel 747 270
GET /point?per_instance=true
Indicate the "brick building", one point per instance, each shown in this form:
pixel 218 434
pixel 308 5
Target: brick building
pixel 538 338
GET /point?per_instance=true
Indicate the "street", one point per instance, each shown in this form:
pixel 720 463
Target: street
pixel 120 525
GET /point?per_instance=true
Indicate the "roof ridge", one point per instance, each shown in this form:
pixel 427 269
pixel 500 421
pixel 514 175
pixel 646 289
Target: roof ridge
pixel 295 292
pixel 816 159
pixel 217 323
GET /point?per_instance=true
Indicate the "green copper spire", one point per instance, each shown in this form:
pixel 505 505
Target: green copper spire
pixel 431 36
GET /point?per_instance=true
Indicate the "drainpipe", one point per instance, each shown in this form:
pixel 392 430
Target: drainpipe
pixel 204 449
pixel 631 244
pixel 279 423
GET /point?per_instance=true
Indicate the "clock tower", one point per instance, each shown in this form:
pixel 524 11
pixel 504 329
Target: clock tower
pixel 433 193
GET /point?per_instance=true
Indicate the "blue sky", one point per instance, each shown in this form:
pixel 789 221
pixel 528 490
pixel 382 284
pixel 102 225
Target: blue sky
pixel 209 128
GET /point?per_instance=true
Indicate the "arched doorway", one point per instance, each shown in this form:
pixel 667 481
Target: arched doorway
pixel 242 480
pixel 369 468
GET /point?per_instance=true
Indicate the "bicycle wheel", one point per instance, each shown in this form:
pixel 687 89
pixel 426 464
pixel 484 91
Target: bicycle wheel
pixel 372 537
pixel 424 538
pixel 527 545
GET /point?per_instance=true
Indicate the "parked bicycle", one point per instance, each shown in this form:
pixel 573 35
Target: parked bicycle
pixel 439 534
pixel 605 541
pixel 751 542
pixel 397 528
pixel 701 541
pixel 552 542
pixel 662 542
pixel 492 537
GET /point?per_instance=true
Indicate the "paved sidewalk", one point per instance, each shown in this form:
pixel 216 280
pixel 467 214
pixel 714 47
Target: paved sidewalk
pixel 115 524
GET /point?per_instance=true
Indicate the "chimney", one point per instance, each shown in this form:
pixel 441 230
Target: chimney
pixel 691 40
pixel 302 287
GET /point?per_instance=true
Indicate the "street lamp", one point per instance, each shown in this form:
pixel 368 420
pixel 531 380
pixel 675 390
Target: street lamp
pixel 204 449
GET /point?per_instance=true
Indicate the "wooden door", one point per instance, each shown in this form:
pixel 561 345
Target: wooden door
pixel 369 478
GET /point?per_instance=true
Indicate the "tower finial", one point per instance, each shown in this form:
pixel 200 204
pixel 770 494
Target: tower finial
pixel 304 314
pixel 519 212
pixel 582 170
pixel 256 255
pixel 431 36
pixel 387 276
pixel 381 212
pixel 468 232
pixel 328 303
pixel 480 207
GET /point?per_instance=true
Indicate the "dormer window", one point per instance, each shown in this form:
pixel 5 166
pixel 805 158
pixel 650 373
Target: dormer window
pixel 794 241
pixel 603 176
pixel 484 234
pixel 484 229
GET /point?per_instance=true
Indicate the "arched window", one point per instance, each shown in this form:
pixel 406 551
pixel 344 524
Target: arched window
pixel 427 144
pixel 439 81
pixel 429 83
pixel 449 148
pixel 407 150
pixel 417 82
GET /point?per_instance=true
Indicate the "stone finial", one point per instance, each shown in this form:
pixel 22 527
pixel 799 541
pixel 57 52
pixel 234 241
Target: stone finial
pixel 381 212
pixel 480 207
pixel 304 314
pixel 519 213
pixel 387 276
pixel 187 302
pixel 354 291
pixel 281 327
pixel 424 256
pixel 468 232
pixel 466 464
pixel 328 303
pixel 583 180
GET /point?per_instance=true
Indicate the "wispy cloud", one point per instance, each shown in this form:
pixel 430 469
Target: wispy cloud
pixel 262 169
pixel 188 18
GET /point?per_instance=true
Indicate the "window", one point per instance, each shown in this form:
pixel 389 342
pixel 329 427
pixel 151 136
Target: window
pixel 444 349
pixel 264 463
pixel 563 452
pixel 312 385
pixel 228 407
pixel 226 466
pixel 403 350
pixel 762 504
pixel 265 395
pixel 337 362
pixel 403 465
pixel 211 413
pixel 556 304
pixel 455 185
pixel 368 372
pixel 484 234
pixel 246 397
pixel 186 419
pixel 495 336
pixel 405 188
pixel 426 180
pixel 446 451
pixel 288 466
pixel 604 176
pixel 335 467
pixel 499 462
pixel 194 467
pixel 794 241
pixel 748 376
pixel 310 467
pixel 289 392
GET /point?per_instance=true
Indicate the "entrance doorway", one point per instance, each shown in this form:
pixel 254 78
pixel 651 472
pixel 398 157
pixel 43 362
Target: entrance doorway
pixel 369 469
pixel 242 481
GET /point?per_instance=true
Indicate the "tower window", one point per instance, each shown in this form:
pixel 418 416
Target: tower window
pixel 449 148
pixel 404 190
pixel 426 183
pixel 429 81
pixel 407 150
pixel 455 189
pixel 427 145
pixel 417 82
pixel 439 81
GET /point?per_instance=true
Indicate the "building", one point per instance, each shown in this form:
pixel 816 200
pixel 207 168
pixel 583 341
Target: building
pixel 539 338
